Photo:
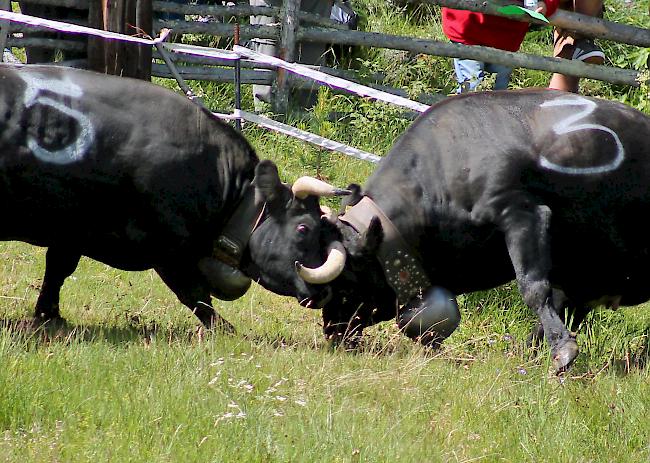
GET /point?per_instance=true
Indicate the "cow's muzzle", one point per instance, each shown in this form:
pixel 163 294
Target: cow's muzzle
pixel 318 301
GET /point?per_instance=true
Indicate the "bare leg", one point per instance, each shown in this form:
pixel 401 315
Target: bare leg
pixel 588 7
pixel 564 41
pixel 563 49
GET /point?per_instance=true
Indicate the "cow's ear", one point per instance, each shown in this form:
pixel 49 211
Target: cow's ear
pixel 267 181
pixel 353 198
pixel 373 236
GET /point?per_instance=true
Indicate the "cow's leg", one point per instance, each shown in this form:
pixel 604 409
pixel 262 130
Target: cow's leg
pixel 560 302
pixel 575 317
pixel 192 291
pixel 526 232
pixel 59 265
pixel 572 316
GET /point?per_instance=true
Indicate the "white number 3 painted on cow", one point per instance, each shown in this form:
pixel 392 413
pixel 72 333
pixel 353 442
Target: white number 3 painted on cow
pixel 34 94
pixel 572 124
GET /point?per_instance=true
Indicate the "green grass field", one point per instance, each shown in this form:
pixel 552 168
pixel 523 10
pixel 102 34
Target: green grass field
pixel 131 377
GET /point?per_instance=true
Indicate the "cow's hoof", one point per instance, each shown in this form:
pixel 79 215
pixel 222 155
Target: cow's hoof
pixel 47 320
pixel 564 355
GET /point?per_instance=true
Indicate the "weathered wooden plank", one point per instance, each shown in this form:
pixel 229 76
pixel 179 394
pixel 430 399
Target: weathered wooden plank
pixel 265 77
pixel 96 49
pixel 144 23
pixel 600 28
pixel 76 4
pixel 248 76
pixel 14 27
pixel 287 50
pixel 241 11
pixel 605 29
pixel 218 29
pixel 58 44
pixel 248 64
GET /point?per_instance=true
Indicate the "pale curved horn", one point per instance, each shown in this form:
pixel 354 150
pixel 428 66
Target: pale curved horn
pixel 306 186
pixel 331 268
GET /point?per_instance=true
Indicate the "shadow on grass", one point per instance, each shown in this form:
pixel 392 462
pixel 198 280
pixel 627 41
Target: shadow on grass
pixel 280 341
pixel 61 331
pixel 138 331
pixel 634 357
pixel 395 345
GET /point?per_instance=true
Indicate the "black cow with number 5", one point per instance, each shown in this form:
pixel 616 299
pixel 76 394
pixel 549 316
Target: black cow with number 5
pixel 136 176
pixel 544 187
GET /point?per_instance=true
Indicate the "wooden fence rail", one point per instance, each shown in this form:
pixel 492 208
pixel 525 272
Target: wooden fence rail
pixel 76 4
pixel 295 26
pixel 512 59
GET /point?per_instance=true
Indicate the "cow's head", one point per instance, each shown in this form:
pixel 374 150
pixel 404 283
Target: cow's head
pixel 360 295
pixel 293 229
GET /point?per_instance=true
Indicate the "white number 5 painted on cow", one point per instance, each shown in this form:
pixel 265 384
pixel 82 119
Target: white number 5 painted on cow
pixel 74 151
pixel 572 124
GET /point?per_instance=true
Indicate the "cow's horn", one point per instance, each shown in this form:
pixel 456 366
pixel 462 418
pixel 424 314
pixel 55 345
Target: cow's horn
pixel 330 269
pixel 306 186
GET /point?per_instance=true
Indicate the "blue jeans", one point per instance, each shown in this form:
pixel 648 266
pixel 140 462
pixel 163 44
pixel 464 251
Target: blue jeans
pixel 470 73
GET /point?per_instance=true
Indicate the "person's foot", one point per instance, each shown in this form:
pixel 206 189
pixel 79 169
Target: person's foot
pixel 587 51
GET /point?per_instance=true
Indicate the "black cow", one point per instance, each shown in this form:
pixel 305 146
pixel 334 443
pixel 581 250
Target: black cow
pixel 138 177
pixel 542 186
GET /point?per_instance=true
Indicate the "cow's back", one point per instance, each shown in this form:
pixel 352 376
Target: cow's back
pixel 113 163
pixel 465 161
pixel 459 145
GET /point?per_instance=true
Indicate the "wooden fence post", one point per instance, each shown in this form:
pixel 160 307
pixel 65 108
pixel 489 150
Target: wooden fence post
pixel 96 50
pixel 4 30
pixel 126 17
pixel 287 52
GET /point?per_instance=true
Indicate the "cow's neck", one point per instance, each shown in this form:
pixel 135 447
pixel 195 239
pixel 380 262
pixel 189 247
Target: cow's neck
pixel 401 263
pixel 399 199
pixel 230 245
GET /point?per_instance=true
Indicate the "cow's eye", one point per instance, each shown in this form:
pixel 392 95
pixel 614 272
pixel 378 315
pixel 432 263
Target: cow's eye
pixel 302 229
